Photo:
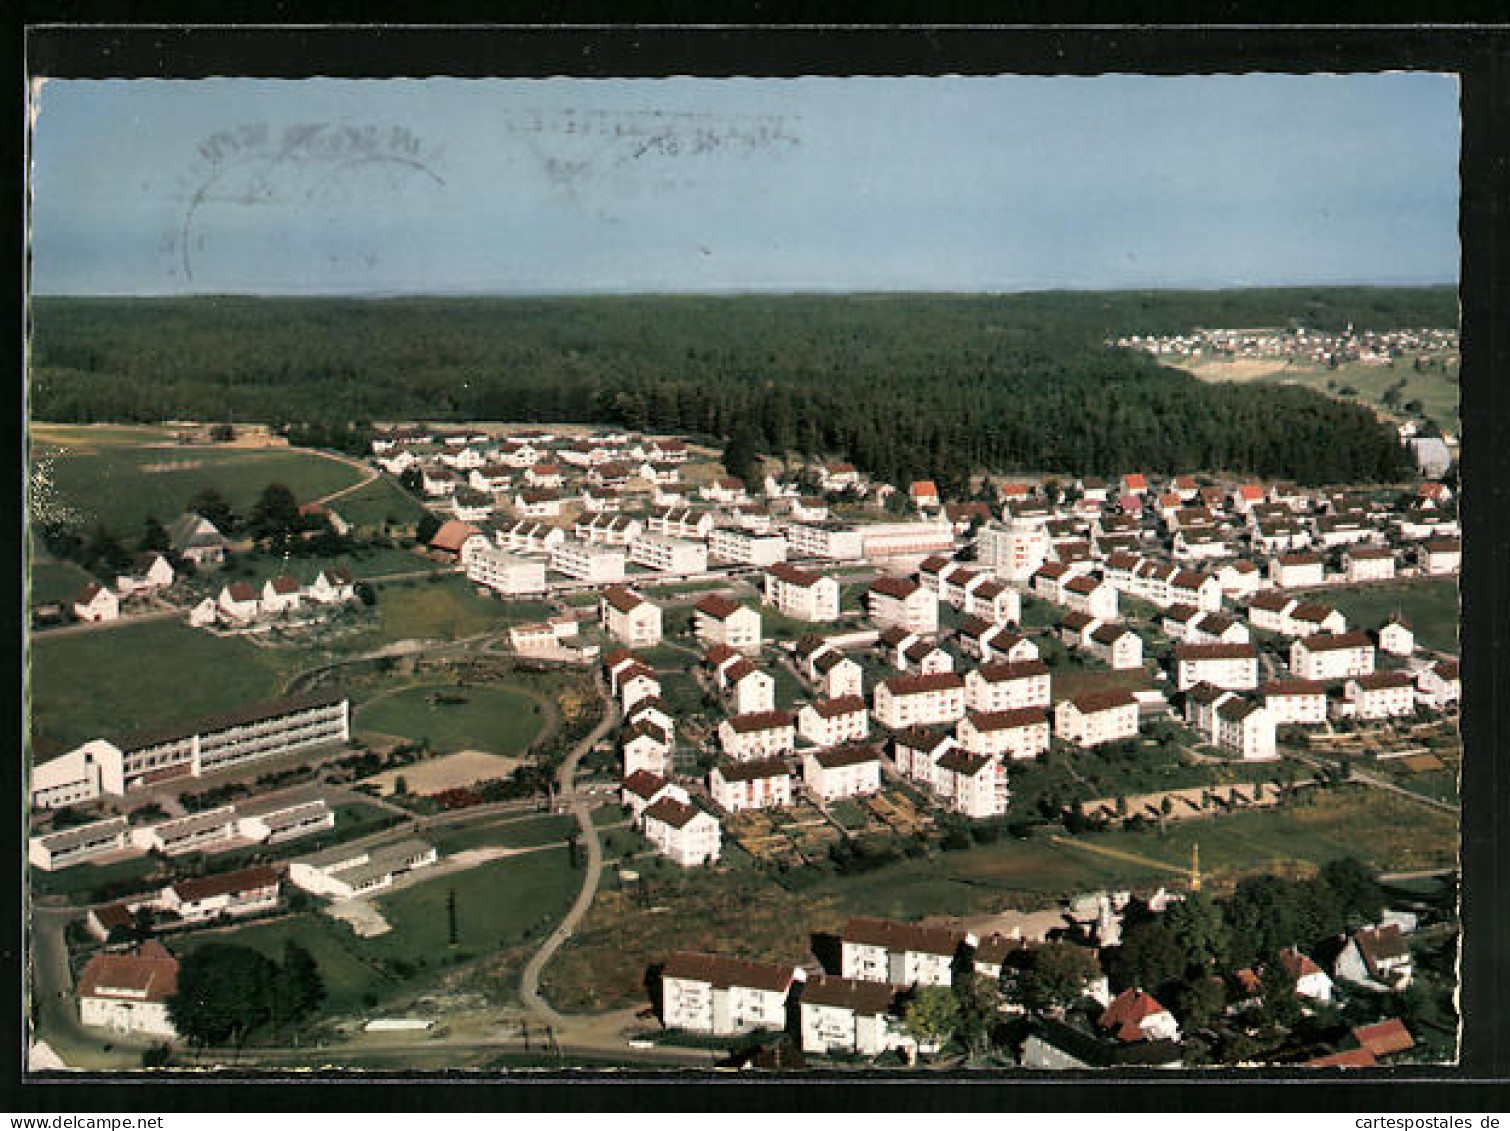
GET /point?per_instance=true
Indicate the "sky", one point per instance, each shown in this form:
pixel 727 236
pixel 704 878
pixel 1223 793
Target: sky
pixel 1012 183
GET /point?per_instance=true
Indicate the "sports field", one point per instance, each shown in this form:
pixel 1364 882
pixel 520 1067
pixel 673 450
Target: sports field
pixel 450 719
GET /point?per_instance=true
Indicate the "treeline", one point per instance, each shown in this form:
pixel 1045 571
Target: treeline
pixel 905 386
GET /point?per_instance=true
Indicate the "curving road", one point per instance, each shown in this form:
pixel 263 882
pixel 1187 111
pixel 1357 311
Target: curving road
pixel 529 985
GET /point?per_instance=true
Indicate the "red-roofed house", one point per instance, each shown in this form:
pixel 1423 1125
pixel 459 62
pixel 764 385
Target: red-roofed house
pixel 924 494
pixel 128 992
pixel 718 620
pixel 842 771
pixel 1135 1015
pixel 96 603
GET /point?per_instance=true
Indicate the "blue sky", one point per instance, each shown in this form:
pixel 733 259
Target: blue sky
pixel 567 185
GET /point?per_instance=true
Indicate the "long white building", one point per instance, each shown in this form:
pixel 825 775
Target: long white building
pixel 507 574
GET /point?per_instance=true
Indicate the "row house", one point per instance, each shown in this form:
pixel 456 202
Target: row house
pixel 1279 536
pixel 681 522
pixel 990 642
pixel 602 500
pixel 1381 695
pixel 586 561
pixel 683 832
pixel 1215 628
pixel 746 547
pixel 527 537
pixel 920 700
pixel 1413 526
pixel 1016 734
pixel 608 529
pixel 838 772
pixel 834 722
pixel 669 555
pixel 801 595
pixel 722 997
pixel 902 954
pixel 1232 667
pixel 718 620
pixel 1295 702
pixel 1097 718
pixel 764 783
pixel 1330 657
pixel 767 734
pixel 627 616
pixel 897 602
pixel 1006 685
pixel 66 847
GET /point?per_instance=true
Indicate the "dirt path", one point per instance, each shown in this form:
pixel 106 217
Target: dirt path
pixel 1127 857
pixel 368 473
pixel 529 985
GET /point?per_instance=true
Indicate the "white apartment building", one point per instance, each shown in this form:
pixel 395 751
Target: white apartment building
pixel 629 617
pixel 920 700
pixel 1016 550
pixel 507 574
pixel 1015 734
pixel 1232 667
pixel 842 771
pixel 722 996
pixel 900 954
pixel 801 595
pixel 1326 657
pixel 1090 720
pixel 718 620
pixel 895 602
pixel 768 734
pixel 682 832
pixel 669 555
pixel 1294 571
pixel 830 540
pixel 587 561
pixel 833 722
pixel 1005 686
pixel 1382 695
pixel 765 783
pixel 974 785
pixel 746 547
pixel 1295 702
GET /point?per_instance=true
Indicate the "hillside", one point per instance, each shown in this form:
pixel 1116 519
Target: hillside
pixel 903 384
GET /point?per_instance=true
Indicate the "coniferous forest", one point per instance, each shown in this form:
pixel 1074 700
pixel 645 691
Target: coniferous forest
pixel 903 385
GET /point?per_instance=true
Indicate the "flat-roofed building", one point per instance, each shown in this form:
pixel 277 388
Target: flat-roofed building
pixel 506 573
pixel 588 561
pixel 669 555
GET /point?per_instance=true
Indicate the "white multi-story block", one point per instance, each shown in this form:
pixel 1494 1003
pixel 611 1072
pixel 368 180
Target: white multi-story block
pixel 587 561
pixel 721 996
pixel 1005 685
pixel 897 602
pixel 682 832
pixel 505 573
pixel 1015 734
pixel 746 547
pixel 1232 667
pixel 842 771
pixel 669 555
pixel 1090 720
pixel 1382 695
pixel 901 954
pixel 1329 657
pixel 629 617
pixel 802 595
pixel 833 722
pixel 718 620
pixel 764 735
pixel 920 700
pixel 1295 702
pixel 764 783
pixel 1016 550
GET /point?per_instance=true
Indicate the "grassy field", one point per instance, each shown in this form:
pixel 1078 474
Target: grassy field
pixel 497 905
pixel 85 877
pixel 379 502
pixel 497 720
pixel 57 582
pixel 1435 388
pixel 510 832
pixel 120 484
pixel 1429 605
pixel 1071 680
pixel 447 609
pixel 95 684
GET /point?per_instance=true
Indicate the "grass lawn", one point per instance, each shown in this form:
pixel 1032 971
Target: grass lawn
pixel 86 877
pixel 1072 681
pixel 119 485
pixel 377 502
pixel 1430 605
pixel 447 609
pixel 259 567
pixel 57 582
pixel 497 905
pixel 788 690
pixel 511 832
pixel 494 719
pixel 97 684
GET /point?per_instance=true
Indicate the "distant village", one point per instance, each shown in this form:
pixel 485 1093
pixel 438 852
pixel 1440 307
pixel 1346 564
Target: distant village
pixel 1297 345
pixel 925 635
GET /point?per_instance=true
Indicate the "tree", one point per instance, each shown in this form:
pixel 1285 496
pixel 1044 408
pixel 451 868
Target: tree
pixel 297 989
pixel 1150 955
pixel 979 1000
pixel 931 1015
pixel 275 516
pixel 154 537
pixel 1353 889
pixel 1058 976
pixel 451 933
pixel 1200 1001
pixel 222 433
pixel 209 504
pixel 1200 931
pixel 365 593
pixel 739 456
pixel 223 994
pixel 412 479
pixel 1276 988
pixel 426 529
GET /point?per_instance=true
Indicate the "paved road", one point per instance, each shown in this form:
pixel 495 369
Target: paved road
pixel 105 625
pixel 529 986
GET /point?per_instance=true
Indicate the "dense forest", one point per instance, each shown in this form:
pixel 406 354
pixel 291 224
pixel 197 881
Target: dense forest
pixel 903 385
